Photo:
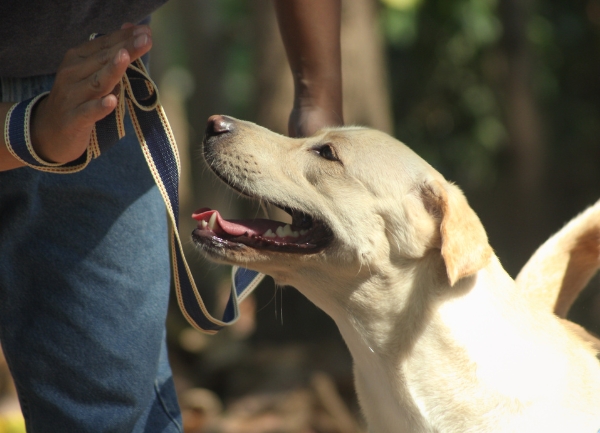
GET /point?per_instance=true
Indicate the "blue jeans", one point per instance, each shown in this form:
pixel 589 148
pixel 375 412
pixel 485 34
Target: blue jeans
pixel 84 287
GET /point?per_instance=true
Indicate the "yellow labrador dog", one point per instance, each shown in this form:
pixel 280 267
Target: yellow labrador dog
pixel 443 339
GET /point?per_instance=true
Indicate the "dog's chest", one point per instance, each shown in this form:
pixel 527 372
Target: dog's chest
pixel 382 403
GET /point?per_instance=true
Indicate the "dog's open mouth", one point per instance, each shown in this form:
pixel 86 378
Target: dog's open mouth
pixel 304 235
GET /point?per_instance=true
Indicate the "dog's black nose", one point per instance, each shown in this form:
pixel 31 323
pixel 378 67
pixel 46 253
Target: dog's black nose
pixel 218 125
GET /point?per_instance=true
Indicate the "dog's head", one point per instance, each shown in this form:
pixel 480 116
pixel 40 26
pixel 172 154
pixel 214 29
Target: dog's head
pixel 358 198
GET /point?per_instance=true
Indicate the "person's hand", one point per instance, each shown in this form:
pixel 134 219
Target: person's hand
pixel 310 31
pixel 307 119
pixel 62 122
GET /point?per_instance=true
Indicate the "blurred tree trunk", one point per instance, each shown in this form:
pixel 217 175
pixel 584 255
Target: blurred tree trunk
pixel 366 100
pixel 520 202
pixel 522 116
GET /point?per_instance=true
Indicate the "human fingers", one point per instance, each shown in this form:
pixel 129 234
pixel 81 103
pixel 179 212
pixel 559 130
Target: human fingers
pixel 92 70
pixel 86 59
pixel 68 94
pixel 102 74
pixel 94 110
pixel 116 38
pixel 103 81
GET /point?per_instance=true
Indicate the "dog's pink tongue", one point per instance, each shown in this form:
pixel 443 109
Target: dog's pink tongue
pixel 235 227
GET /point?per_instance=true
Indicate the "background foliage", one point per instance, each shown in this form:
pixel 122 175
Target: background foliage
pixel 501 96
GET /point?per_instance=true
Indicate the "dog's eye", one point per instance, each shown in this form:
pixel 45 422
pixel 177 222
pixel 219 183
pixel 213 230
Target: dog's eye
pixel 326 151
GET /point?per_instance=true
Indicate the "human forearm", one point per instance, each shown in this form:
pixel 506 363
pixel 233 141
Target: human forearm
pixel 7 161
pixel 62 122
pixel 310 30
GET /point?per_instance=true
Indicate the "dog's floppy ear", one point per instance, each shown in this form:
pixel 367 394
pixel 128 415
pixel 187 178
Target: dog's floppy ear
pixel 464 244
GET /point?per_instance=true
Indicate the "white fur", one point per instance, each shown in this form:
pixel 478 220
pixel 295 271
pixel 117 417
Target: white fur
pixel 442 338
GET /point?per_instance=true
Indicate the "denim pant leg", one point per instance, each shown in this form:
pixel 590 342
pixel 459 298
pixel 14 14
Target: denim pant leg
pixel 84 286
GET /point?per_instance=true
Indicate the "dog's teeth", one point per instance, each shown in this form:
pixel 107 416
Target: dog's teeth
pixel 212 222
pixel 285 231
pixel 269 234
pixel 204 224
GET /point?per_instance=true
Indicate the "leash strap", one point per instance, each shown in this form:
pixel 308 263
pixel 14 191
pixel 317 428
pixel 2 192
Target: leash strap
pixel 154 133
pixel 17 136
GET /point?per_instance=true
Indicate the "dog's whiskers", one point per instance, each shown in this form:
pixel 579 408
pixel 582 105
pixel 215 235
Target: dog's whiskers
pixel 273 298
pixel 264 208
pixel 279 289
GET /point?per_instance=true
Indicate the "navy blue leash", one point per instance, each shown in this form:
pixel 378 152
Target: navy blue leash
pixel 154 133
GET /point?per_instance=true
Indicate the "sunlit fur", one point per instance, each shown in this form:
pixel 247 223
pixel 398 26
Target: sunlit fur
pixel 442 338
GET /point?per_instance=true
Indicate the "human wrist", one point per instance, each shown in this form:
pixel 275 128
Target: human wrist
pixel 314 110
pixel 7 159
pixel 36 132
pixel 17 132
pixel 322 92
pixel 18 140
pixel 48 148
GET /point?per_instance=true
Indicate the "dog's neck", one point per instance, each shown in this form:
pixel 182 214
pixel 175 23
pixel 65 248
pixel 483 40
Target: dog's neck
pixel 429 357
pixel 395 323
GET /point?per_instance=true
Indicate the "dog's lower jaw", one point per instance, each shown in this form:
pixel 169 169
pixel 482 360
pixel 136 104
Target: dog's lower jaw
pixel 219 252
pixel 230 254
